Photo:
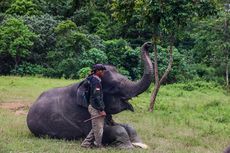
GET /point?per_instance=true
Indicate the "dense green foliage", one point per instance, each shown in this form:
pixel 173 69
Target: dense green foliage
pixel 64 38
pixel 23 7
pixel 16 39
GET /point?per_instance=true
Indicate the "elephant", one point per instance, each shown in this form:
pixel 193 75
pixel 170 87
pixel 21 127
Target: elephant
pixel 227 150
pixel 60 112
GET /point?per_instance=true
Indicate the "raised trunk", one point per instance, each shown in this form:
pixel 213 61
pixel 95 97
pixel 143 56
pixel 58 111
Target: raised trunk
pixel 136 88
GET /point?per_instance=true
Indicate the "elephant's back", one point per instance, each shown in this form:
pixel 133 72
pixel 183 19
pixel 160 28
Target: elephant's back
pixel 56 114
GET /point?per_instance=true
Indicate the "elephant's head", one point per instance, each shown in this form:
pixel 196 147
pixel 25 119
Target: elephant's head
pixel 118 89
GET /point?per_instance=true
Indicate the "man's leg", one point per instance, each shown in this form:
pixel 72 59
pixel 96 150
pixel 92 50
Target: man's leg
pixel 90 137
pixel 88 140
pixel 97 126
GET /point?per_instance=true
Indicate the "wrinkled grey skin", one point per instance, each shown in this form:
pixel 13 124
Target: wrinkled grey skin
pixel 57 112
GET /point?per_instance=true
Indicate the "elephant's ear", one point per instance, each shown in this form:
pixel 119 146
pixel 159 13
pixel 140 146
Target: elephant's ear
pixel 83 93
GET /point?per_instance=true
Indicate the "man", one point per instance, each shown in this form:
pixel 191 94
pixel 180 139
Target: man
pixel 96 107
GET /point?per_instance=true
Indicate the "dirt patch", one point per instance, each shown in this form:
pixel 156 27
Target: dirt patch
pixel 17 107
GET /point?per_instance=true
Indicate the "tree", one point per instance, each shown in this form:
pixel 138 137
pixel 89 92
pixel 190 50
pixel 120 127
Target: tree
pixel 227 41
pixel 43 26
pixel 93 56
pixel 69 39
pixel 64 8
pixel 167 20
pixel 98 24
pixel 212 36
pixel 124 57
pixel 115 50
pixel 129 27
pixel 89 58
pixel 23 7
pixel 4 5
pixel 70 44
pixel 16 39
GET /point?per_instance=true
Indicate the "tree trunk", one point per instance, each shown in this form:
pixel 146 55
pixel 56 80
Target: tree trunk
pixel 154 96
pixel 169 65
pixel 156 75
pixel 226 54
pixel 227 80
pixel 16 64
pixel 16 60
pixel 164 76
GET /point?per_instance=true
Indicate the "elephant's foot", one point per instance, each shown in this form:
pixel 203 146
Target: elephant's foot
pixel 122 136
pixel 139 144
pixel 134 138
pixel 124 146
pixel 117 136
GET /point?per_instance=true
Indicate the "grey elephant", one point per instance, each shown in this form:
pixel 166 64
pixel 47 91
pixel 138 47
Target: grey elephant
pixel 60 112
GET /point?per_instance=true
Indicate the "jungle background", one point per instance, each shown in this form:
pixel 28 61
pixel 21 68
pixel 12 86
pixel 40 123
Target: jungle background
pixel 64 38
pixel 53 43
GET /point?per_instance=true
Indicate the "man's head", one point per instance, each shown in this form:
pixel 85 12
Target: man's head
pixel 98 69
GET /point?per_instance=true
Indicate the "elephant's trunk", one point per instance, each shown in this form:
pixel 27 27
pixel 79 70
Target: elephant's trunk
pixel 136 88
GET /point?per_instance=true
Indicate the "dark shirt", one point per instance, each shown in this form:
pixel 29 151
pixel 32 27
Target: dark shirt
pixel 96 93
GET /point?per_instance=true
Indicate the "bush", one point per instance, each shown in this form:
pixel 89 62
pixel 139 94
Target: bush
pixel 28 69
pixel 84 72
pixel 68 68
pixel 115 50
pixel 204 72
pixel 180 71
pixel 16 39
pixel 124 72
pixel 133 63
pixel 91 57
pixel 121 55
pixel 199 85
pixel 96 42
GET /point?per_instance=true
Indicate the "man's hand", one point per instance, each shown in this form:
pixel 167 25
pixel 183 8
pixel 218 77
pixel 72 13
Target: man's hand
pixel 102 113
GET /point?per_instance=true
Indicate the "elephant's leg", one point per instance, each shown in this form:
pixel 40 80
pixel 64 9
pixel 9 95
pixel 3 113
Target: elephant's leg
pixel 117 136
pixel 134 138
pixel 131 132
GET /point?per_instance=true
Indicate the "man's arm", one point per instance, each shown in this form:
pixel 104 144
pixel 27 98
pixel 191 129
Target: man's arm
pixel 97 95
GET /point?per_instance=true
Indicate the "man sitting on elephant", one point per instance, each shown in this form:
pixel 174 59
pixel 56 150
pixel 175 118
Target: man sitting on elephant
pixel 96 107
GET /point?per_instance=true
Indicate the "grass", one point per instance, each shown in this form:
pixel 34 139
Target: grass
pixel 188 118
pixel 26 89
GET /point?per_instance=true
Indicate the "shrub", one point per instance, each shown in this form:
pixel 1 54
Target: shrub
pixel 91 57
pixel 28 69
pixel 84 72
pixel 180 71
pixel 204 71
pixel 16 39
pixel 124 72
pixel 115 50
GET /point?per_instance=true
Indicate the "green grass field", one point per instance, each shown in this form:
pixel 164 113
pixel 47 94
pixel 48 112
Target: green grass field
pixel 188 118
